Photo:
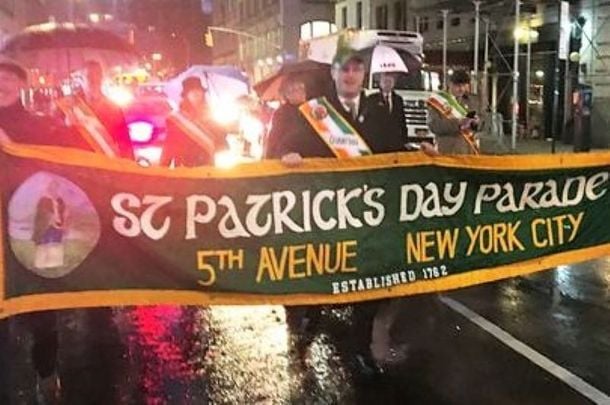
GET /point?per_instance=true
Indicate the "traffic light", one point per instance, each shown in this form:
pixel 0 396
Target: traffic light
pixel 208 38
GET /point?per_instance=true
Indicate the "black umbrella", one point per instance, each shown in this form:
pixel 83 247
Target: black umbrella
pixel 383 58
pixel 315 76
pixel 63 48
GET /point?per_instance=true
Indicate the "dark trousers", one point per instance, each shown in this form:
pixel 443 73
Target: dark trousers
pixel 4 361
pixel 45 341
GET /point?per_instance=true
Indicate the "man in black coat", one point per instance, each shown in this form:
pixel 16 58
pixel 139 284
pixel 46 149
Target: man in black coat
pixel 387 107
pixel 109 115
pixel 348 99
pixel 20 126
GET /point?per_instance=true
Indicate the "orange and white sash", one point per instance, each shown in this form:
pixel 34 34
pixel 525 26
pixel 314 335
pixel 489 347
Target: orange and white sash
pixel 89 126
pixel 194 132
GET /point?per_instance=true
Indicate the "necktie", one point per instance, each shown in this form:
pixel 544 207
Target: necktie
pixel 351 108
pixel 388 100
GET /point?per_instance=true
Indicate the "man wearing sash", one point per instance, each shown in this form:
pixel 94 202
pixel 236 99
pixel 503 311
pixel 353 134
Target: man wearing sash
pixel 455 117
pixel 339 126
pixel 109 115
pixel 192 136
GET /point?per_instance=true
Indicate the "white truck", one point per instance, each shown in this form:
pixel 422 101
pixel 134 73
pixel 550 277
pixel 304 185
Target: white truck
pixel 413 87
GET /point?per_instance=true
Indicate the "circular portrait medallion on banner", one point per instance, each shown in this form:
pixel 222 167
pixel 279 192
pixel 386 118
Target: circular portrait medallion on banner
pixel 53 225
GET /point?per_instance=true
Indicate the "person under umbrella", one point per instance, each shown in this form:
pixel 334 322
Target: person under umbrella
pixel 99 121
pixel 109 114
pixel 20 126
pixel 284 118
pixel 192 137
pixel 387 106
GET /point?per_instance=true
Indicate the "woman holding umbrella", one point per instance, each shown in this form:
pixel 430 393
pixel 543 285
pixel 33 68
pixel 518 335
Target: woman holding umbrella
pixel 285 118
pixel 192 137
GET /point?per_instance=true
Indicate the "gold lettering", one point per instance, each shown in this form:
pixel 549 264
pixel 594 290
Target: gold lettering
pixel 265 264
pixel 347 254
pixel 447 243
pixel 295 260
pixel 513 240
pixel 539 243
pixel 575 222
pixel 473 235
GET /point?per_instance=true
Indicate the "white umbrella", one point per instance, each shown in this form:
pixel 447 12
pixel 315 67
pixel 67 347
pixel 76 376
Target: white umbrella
pixel 222 82
pixel 385 59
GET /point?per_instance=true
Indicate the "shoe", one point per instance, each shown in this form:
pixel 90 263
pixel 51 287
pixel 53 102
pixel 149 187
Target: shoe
pixel 48 390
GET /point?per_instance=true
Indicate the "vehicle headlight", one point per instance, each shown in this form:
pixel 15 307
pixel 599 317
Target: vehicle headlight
pixel 140 131
pixel 225 159
pixel 251 127
pixel 225 112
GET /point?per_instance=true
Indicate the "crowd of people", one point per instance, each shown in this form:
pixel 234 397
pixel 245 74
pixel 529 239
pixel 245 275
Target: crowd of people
pixel 192 140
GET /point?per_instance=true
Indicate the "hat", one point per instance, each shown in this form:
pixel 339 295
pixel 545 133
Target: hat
pixel 11 65
pixel 345 51
pixel 460 77
pixel 192 83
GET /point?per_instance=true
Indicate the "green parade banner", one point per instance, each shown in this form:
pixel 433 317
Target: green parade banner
pixel 79 229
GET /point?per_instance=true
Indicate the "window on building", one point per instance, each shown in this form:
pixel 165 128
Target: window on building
pixel 359 14
pixel 312 29
pixel 398 16
pixel 344 17
pixel 439 24
pixel 424 24
pixel 381 16
pixel 455 21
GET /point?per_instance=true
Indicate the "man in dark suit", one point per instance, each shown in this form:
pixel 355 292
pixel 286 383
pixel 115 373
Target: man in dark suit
pixel 301 141
pixel 348 99
pixel 387 107
pixel 108 113
pixel 20 126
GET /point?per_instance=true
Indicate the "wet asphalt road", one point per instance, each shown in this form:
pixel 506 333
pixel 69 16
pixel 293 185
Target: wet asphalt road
pixel 245 355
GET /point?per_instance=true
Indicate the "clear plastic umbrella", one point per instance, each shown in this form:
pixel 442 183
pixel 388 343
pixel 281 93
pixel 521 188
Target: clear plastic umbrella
pixel 222 82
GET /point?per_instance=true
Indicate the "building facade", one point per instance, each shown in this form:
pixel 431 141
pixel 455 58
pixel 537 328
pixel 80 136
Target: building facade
pixel 594 64
pixel 373 14
pixel 260 35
